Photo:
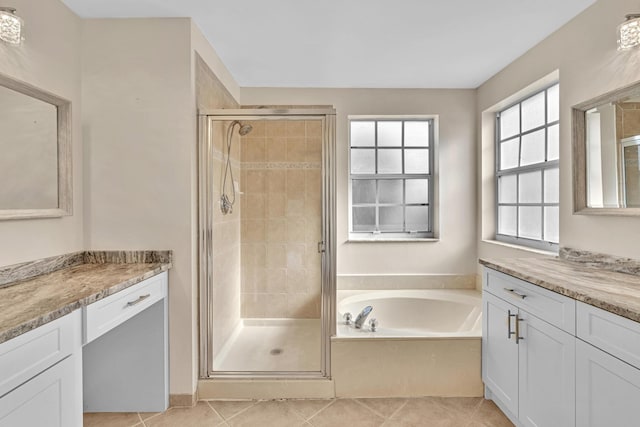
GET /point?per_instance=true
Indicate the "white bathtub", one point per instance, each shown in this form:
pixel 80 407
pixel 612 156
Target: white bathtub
pixel 428 343
pixel 434 313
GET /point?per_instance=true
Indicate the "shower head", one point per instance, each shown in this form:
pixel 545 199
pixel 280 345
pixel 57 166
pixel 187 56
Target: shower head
pixel 244 129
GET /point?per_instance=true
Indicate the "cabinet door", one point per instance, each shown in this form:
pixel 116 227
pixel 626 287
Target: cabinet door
pixel 499 351
pixel 547 374
pixel 607 389
pixel 50 399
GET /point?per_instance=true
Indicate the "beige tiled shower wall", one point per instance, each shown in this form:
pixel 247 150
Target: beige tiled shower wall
pixel 628 125
pixel 226 228
pixel 281 219
pixel 226 242
pixel 627 119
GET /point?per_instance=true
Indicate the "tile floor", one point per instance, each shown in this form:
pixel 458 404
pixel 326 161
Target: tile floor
pixel 420 412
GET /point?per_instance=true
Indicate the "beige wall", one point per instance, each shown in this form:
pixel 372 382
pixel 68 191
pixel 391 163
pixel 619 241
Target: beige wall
pixel 584 52
pixel 49 59
pixel 140 127
pixel 281 219
pixel 140 141
pixel 455 252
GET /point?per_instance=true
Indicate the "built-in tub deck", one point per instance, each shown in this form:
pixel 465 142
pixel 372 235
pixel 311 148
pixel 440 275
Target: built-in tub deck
pixel 428 343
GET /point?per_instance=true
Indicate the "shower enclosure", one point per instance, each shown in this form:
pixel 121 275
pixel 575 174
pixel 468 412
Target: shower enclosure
pixel 267 242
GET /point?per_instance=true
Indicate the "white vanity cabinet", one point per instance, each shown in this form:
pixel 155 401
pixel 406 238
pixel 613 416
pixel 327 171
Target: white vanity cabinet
pixel 607 369
pixel 41 376
pixel 499 351
pixel 528 351
pixel 109 356
pixel 126 350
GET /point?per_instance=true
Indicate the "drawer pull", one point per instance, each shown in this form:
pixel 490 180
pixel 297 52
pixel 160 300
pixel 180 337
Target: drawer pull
pixel 138 301
pixel 515 294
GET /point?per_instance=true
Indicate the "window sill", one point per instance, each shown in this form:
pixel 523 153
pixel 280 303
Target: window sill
pixel 395 240
pixel 520 247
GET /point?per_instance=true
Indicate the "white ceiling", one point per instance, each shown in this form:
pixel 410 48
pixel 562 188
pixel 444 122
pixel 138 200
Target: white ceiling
pixel 359 43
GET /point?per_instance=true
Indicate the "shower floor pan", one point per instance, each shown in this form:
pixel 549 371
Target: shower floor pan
pixel 278 345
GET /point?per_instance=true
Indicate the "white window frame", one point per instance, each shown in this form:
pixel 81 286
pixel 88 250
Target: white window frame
pixel 541 166
pixel 432 233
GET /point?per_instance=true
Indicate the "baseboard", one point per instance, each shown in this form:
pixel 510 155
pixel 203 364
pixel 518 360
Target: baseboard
pixel 185 400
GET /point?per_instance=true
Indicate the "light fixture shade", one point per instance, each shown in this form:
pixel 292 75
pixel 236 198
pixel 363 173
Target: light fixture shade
pixel 629 33
pixel 10 26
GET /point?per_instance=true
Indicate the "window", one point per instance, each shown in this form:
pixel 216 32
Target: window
pixel 527 152
pixel 391 176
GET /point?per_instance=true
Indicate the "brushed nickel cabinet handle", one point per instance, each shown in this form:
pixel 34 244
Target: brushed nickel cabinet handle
pixel 518 337
pixel 138 301
pixel 509 331
pixel 515 294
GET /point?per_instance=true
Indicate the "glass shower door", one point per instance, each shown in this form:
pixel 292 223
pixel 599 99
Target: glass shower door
pixel 266 291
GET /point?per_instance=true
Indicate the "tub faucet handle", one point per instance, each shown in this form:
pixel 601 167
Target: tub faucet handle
pixel 347 318
pixel 373 324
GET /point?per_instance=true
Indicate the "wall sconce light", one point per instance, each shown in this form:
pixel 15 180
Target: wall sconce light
pixel 10 26
pixel 629 32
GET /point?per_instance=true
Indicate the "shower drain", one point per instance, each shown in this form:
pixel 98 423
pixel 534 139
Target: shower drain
pixel 276 351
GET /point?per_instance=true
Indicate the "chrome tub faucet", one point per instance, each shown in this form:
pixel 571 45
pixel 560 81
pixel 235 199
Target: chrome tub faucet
pixel 362 316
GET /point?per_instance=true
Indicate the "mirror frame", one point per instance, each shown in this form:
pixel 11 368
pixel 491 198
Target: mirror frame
pixel 579 151
pixel 65 187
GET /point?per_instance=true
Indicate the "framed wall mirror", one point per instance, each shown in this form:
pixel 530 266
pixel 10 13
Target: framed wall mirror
pixel 606 150
pixel 35 152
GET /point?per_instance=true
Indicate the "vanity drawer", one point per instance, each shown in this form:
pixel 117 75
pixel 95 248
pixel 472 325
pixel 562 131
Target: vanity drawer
pixel 26 355
pixel 554 308
pixel 104 315
pixel 609 332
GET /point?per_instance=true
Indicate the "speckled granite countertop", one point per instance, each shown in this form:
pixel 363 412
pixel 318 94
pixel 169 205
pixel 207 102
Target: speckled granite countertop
pixel 67 283
pixel 616 292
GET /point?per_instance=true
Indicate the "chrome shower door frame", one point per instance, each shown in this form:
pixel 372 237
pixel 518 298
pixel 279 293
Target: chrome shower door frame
pixel 206 204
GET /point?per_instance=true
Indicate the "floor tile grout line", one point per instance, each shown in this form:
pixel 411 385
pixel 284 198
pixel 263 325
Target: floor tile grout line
pixel 153 416
pixel 329 403
pixel 295 412
pixel 216 412
pixel 284 401
pixel 253 403
pixel 332 401
pixel 399 409
pixel 475 410
pixel 369 409
pixel 471 413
